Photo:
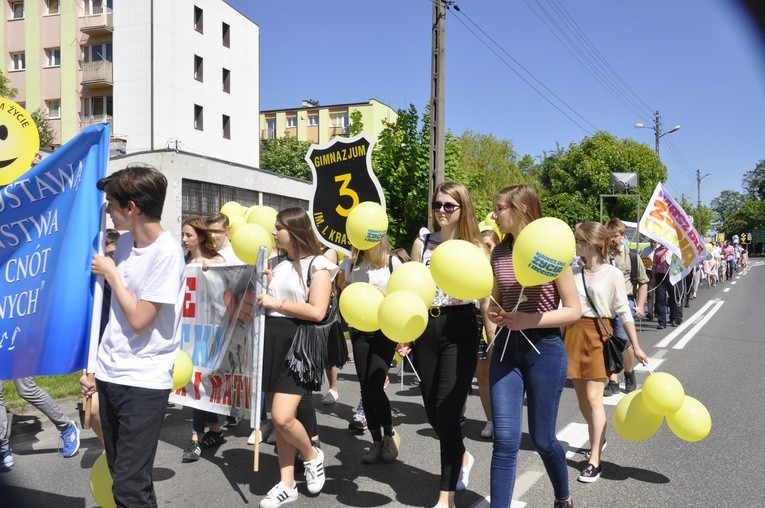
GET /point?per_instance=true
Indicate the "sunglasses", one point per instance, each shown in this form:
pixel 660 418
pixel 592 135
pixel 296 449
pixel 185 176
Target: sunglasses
pixel 447 207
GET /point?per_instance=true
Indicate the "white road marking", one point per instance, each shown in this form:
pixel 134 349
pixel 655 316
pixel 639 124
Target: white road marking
pixel 686 323
pixel 682 342
pixel 726 290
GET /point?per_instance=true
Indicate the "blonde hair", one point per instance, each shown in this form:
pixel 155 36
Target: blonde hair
pixel 378 256
pixel 615 227
pixel 595 234
pixel 523 199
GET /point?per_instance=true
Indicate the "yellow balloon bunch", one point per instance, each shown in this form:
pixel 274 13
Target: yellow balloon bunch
pixel 366 225
pixel 402 316
pixel 415 277
pixel 247 240
pixel 359 303
pixel 101 483
pixel 640 414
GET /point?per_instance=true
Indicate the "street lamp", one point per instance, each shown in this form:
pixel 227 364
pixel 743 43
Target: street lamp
pixel 657 130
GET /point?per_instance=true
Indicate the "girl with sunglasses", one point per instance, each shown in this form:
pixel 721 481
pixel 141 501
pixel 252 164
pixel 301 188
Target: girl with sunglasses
pixel 445 354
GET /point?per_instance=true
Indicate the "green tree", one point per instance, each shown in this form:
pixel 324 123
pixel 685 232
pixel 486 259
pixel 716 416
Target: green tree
pixel 6 90
pixel 725 205
pixel 754 181
pixel 583 171
pixel 748 216
pixel 44 128
pixel 357 125
pixel 286 156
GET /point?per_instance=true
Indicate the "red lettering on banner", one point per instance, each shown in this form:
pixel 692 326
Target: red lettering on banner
pixel 189 307
pixel 216 385
pixel 227 392
pixel 197 382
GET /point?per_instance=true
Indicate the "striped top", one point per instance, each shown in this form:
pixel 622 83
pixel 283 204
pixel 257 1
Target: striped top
pixel 542 298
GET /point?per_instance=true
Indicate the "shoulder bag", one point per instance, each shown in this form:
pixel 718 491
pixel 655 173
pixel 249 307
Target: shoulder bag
pixel 308 355
pixel 613 349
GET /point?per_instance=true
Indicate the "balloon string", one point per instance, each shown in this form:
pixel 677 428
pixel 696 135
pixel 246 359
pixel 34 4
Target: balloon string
pixel 521 299
pixel 413 369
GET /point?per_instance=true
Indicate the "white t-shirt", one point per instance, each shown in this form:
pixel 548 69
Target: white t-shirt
pixel 286 284
pixel 607 290
pixel 155 274
pixel 228 254
pixel 363 272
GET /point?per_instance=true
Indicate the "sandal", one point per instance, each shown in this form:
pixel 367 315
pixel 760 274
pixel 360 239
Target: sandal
pixel 211 439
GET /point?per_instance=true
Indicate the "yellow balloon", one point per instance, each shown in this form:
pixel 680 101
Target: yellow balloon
pixel 462 270
pixel 246 242
pixel 489 219
pixel 359 303
pixel 633 420
pixel 663 393
pixel 101 483
pixel 234 222
pixel 366 225
pixel 402 316
pixel 183 368
pixel 263 216
pixel 691 422
pixel 19 141
pixel 415 277
pixel 542 251
pixel 232 208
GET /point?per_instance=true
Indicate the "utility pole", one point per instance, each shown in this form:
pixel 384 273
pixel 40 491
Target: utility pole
pixel 698 200
pixel 437 92
pixel 657 130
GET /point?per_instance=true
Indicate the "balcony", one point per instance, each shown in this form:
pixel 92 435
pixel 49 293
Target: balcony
pixel 97 24
pixel 338 131
pixel 98 74
pixel 87 121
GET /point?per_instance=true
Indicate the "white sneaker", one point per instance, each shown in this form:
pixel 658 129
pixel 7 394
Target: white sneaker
pixel 330 397
pixel 280 494
pixel 488 430
pixel 464 479
pixel 254 438
pixel 314 472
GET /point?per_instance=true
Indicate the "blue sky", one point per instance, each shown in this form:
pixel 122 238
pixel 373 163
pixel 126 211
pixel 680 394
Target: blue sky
pixel 700 63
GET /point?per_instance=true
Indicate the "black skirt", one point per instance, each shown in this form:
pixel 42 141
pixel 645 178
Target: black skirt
pixel 279 332
pixel 337 347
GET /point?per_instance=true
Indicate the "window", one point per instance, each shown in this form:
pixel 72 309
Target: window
pixel 54 108
pixel 313 119
pixel 92 7
pixel 53 7
pixel 226 35
pixel 97 106
pixel 18 61
pixel 339 119
pixel 226 127
pixel 292 121
pixel 17 10
pixel 97 52
pixel 53 57
pixel 270 128
pixel 226 80
pixel 199 68
pixel 198 117
pixel 198 19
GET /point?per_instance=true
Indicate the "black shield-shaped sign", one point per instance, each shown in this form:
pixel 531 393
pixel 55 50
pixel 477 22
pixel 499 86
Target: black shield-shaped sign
pixel 342 178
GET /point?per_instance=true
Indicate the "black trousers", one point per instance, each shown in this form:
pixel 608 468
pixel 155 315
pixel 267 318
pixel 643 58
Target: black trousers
pixel 445 357
pixel 372 354
pixel 132 420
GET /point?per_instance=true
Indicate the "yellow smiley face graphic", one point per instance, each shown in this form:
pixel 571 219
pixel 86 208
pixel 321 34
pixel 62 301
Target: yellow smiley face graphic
pixel 19 141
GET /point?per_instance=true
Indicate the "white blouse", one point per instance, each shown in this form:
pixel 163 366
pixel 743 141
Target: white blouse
pixel 607 290
pixel 286 284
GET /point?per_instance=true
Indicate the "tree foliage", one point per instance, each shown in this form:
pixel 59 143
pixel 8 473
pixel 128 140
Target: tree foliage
pixel 6 90
pixel 286 156
pixel 582 173
pixel 754 181
pixel 357 125
pixel 44 128
pixel 725 205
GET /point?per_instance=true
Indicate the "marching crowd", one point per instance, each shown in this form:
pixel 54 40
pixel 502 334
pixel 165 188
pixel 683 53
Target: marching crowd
pixel 521 342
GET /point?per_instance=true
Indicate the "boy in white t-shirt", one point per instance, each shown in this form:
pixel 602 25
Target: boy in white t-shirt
pixel 134 367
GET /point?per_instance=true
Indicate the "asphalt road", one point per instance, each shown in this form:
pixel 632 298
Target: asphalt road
pixel 717 354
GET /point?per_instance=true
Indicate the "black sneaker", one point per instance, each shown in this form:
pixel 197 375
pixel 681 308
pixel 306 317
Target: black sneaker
pixel 630 384
pixel 192 453
pixel 660 326
pixel 566 503
pixel 211 439
pixel 590 474
pixel 612 388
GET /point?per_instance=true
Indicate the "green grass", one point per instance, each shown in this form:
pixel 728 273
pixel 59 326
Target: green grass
pixel 58 387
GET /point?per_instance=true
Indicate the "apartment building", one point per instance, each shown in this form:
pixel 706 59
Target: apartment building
pixel 180 74
pixel 318 124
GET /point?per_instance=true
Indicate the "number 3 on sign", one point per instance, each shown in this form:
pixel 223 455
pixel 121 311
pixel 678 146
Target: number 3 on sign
pixel 345 179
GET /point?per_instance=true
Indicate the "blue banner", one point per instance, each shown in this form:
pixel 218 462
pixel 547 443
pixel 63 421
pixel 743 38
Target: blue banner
pixel 50 220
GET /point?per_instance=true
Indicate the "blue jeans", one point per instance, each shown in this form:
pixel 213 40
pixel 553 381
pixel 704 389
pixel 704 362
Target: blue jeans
pixel 616 323
pixel 541 375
